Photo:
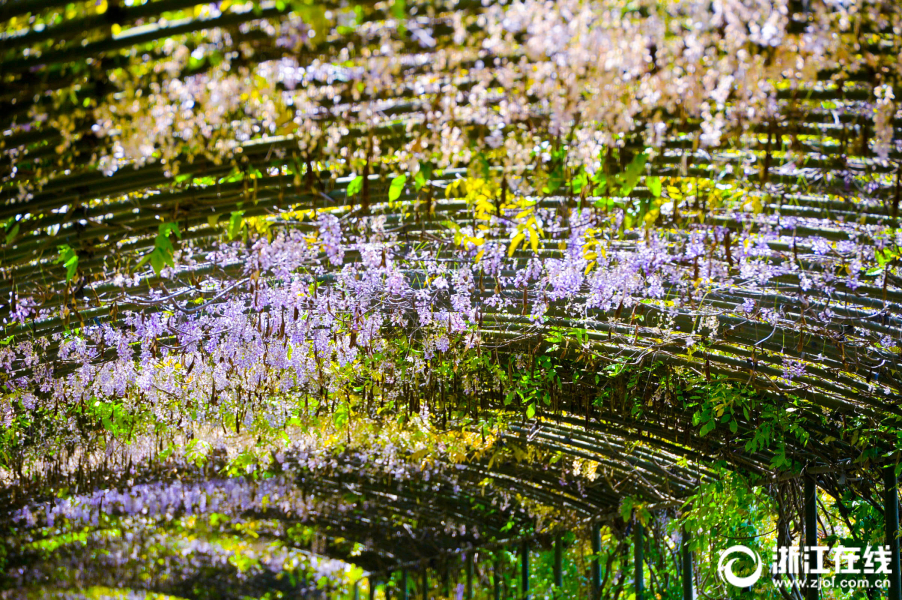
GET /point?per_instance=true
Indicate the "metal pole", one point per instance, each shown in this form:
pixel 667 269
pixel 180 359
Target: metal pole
pixel 812 592
pixel 890 485
pixel 425 575
pixel 469 566
pixel 497 580
pixel 559 561
pixel 356 590
pixel 404 592
pixel 524 558
pixel 638 560
pixel 373 583
pixel 596 564
pixel 688 589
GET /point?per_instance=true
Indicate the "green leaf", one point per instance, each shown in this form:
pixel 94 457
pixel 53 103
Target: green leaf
pixel 341 415
pixel 355 186
pixel 399 12
pixel 163 252
pixel 157 261
pixel 163 244
pixel 419 180
pixel 580 181
pixel 168 228
pixel 654 186
pixel 602 202
pixel 630 176
pixel 885 256
pixel 626 508
pixel 69 258
pixel 12 234
pixel 423 175
pixel 397 187
pixel 636 165
pixel 235 223
pixel 555 181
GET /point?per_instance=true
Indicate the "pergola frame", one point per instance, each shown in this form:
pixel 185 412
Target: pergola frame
pixel 848 387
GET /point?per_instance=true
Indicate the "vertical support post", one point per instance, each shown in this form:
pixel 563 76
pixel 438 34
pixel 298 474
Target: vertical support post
pixel 688 576
pixel 524 566
pixel 811 592
pixel 891 503
pixel 425 576
pixel 497 580
pixel 404 592
pixel 469 567
pixel 446 581
pixel 596 564
pixel 638 560
pixel 356 595
pixel 373 583
pixel 559 561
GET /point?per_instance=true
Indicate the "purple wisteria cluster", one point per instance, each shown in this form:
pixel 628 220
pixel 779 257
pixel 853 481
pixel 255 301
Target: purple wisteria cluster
pixel 205 510
pixel 303 320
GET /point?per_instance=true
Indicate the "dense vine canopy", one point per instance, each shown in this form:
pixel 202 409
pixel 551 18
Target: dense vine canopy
pixel 375 283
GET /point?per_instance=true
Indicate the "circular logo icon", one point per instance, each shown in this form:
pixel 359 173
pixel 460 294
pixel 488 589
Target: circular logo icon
pixel 725 566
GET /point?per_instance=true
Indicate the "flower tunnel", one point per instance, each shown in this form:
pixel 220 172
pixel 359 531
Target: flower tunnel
pixel 449 299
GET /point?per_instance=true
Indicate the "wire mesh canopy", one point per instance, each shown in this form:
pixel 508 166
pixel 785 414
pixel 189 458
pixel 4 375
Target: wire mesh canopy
pixel 378 283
